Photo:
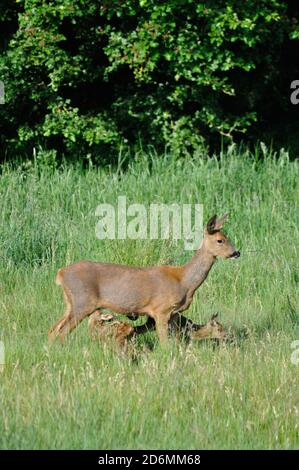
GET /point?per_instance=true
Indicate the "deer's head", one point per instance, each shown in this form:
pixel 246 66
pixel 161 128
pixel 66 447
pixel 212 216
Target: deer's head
pixel 216 242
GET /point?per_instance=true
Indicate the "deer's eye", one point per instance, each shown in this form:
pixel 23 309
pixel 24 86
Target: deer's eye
pixel 220 242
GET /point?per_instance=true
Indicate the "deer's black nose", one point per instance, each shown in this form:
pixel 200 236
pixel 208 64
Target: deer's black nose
pixel 236 254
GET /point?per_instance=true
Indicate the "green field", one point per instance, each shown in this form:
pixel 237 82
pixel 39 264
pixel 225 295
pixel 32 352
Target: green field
pixel 80 395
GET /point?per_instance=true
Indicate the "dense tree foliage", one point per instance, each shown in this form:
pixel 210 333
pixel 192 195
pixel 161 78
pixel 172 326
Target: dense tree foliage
pixel 86 76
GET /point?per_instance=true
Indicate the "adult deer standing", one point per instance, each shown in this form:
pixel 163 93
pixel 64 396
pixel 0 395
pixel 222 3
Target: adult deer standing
pixel 159 291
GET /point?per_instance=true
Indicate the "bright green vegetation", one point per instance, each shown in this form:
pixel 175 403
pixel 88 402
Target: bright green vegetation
pixel 79 395
pixel 84 77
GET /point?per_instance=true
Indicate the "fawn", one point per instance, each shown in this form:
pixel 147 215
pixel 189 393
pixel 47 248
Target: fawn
pixel 106 327
pixel 158 292
pixel 186 328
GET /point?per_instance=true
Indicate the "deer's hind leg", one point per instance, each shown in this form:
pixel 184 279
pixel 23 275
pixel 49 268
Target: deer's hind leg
pixel 75 312
pixel 53 332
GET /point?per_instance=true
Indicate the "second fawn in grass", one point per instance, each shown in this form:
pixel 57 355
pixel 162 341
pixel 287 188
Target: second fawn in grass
pixel 158 292
pixel 186 328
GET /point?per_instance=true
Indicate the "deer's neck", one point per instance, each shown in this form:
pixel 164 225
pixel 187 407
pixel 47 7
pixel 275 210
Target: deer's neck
pixel 198 268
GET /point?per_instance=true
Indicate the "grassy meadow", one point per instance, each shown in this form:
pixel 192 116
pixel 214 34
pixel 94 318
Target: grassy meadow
pixel 243 395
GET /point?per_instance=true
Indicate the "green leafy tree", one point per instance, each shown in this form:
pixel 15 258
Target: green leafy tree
pixel 82 76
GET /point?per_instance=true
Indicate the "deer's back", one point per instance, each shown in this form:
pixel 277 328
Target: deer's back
pixel 128 287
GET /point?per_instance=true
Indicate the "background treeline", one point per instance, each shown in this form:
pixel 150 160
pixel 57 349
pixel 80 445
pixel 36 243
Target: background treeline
pixel 84 78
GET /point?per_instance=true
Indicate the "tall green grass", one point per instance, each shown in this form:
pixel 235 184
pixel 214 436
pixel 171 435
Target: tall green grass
pixel 80 395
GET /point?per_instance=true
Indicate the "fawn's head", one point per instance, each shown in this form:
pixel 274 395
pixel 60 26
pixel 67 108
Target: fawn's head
pixel 216 328
pixel 216 242
pixel 212 330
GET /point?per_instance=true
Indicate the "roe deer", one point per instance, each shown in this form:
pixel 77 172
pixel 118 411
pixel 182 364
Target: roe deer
pixel 107 327
pixel 158 292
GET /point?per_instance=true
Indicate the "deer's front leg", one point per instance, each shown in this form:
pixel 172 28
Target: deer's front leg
pixel 161 320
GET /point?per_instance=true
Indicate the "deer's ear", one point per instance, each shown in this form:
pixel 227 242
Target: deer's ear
pixel 211 224
pixel 220 222
pixel 213 317
pixel 106 317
